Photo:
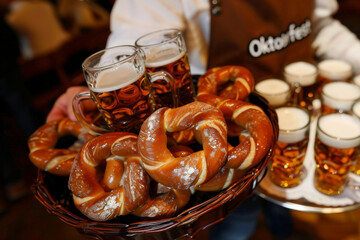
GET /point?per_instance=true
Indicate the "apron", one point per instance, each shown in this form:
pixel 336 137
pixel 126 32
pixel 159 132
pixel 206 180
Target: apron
pixel 261 35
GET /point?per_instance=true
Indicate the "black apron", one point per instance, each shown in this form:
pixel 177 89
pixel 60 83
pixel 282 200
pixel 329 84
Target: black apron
pixel 262 35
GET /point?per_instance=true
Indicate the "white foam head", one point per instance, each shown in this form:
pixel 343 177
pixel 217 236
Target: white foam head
pixel 276 91
pixel 356 108
pixel 339 130
pixel 163 55
pixel 335 69
pixel 356 80
pixel 294 124
pixel 303 73
pixel 340 95
pixel 116 78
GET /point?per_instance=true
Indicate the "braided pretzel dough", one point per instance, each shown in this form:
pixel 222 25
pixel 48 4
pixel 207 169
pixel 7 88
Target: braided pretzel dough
pixel 42 142
pixel 254 143
pixel 124 185
pixel 183 172
pixel 234 82
pixel 222 180
pixel 165 201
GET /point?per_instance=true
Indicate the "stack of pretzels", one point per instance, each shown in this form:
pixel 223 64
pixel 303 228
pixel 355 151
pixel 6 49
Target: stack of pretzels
pixel 153 174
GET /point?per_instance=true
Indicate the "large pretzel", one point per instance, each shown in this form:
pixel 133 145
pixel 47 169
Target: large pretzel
pixel 165 201
pixel 42 145
pixel 196 168
pixel 254 143
pixel 122 187
pixel 234 82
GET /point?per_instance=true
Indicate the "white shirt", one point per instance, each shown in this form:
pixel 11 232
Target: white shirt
pixel 132 18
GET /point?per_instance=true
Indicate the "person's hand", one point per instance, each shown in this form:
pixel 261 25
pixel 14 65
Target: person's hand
pixel 63 105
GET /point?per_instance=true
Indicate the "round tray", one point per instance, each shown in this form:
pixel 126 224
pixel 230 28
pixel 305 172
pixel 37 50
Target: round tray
pixel 204 209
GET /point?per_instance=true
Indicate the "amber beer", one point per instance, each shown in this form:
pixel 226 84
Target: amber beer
pixel 339 96
pixel 165 51
pixel 123 97
pixel 355 109
pixel 337 144
pixel 178 67
pixel 287 164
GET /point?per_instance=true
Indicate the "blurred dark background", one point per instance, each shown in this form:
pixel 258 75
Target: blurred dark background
pixel 32 80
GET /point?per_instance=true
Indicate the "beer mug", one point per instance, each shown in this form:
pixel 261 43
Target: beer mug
pixel 287 164
pixel 337 145
pixel 338 96
pixel 165 50
pixel 333 70
pixel 303 74
pixel 276 91
pixel 120 88
pixel 355 109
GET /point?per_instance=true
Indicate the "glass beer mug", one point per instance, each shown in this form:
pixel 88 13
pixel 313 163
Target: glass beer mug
pixel 276 91
pixel 337 146
pixel 287 164
pixel 120 87
pixel 339 96
pixel 165 50
pixel 304 75
pixel 331 70
pixel 334 70
pixel 355 109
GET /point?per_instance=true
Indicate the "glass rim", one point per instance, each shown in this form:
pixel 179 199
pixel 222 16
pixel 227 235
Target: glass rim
pixel 307 125
pixel 101 53
pixel 318 127
pixel 174 30
pixel 328 72
pixel 302 75
pixel 274 94
pixel 337 98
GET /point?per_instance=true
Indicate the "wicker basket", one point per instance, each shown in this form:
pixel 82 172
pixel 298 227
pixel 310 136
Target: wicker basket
pixel 204 209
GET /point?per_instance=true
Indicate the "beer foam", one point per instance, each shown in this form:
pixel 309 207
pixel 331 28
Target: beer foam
pixel 293 124
pixel 276 91
pixel 340 95
pixel 356 108
pixel 301 72
pixel 163 55
pixel 335 69
pixel 339 130
pixel 116 78
pixel 356 80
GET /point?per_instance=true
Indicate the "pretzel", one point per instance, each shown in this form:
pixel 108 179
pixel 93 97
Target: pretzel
pixel 165 202
pixel 183 172
pixel 222 180
pixel 118 190
pixel 234 82
pixel 42 142
pixel 254 140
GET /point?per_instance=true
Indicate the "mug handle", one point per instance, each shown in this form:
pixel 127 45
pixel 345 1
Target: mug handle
pixel 80 116
pixel 295 93
pixel 163 75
